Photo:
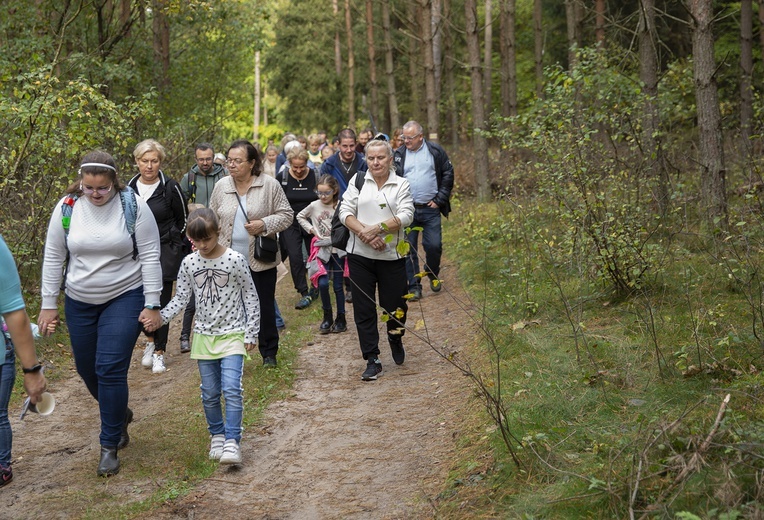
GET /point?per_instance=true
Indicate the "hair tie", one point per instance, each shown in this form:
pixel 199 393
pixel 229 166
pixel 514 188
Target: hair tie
pixel 99 165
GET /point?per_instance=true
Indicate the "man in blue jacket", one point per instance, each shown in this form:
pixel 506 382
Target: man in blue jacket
pixel 431 176
pixel 345 163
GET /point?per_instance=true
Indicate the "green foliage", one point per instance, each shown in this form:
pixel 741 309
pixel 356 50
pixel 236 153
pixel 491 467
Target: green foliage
pixel 585 138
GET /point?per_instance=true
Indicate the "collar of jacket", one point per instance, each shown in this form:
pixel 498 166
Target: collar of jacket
pixel 256 182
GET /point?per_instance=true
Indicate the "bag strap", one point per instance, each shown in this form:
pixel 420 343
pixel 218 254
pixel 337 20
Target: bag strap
pixel 238 199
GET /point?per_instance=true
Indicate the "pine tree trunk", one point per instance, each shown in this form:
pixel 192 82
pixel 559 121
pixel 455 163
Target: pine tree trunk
pixel 538 48
pixel 374 107
pixel 648 74
pixel 351 66
pixel 479 142
pixel 453 111
pixel 414 11
pixel 488 56
pixel 392 100
pixel 713 182
pixel 256 112
pixel 437 45
pixel 746 73
pixel 571 20
pixel 429 72
pixel 161 29
pixel 599 22
pixel 337 43
pixel 508 59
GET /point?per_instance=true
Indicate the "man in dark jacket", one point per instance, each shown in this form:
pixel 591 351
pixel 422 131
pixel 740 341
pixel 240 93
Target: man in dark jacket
pixel 345 163
pixel 198 183
pixel 431 176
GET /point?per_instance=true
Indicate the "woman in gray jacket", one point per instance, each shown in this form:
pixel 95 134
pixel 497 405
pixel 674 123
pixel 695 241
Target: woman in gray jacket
pixel 250 204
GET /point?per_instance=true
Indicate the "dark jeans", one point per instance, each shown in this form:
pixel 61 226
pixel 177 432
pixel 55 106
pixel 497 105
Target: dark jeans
pixel 7 378
pixel 369 276
pixel 268 339
pixel 432 243
pixel 334 271
pixel 103 336
pixel 295 239
pixel 160 335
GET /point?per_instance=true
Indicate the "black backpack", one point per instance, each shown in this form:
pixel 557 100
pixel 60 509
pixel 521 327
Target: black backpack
pixel 341 234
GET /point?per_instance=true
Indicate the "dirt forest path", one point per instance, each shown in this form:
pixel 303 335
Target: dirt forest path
pixel 337 447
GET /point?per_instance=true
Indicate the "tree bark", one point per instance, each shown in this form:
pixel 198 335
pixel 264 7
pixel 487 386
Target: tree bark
pixel 488 56
pixel 746 73
pixel 572 19
pixel 538 52
pixel 599 22
pixel 161 29
pixel 508 59
pixel 761 25
pixel 429 72
pixel 414 14
pixel 437 44
pixel 256 111
pixel 374 107
pixel 351 66
pixel 453 111
pixel 648 73
pixel 392 100
pixel 337 46
pixel 479 142
pixel 713 181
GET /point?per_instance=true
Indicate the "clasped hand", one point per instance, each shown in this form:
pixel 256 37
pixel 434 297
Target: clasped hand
pixel 370 235
pixel 150 319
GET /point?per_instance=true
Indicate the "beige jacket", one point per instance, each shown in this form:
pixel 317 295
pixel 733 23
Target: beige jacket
pixel 266 201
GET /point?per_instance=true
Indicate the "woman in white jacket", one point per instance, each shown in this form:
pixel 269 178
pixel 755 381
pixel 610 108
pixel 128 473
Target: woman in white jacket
pixel 382 207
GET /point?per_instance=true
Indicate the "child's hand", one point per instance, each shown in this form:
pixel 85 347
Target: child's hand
pixel 250 346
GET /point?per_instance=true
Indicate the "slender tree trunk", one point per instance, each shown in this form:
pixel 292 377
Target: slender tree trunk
pixel 453 111
pixel 161 29
pixel 437 44
pixel 374 108
pixel 256 118
pixel 599 22
pixel 571 20
pixel 508 59
pixel 713 182
pixel 538 51
pixel 337 46
pixel 648 73
pixel 488 56
pixel 429 72
pixel 761 26
pixel 414 12
pixel 746 73
pixel 351 66
pixel 479 142
pixel 392 100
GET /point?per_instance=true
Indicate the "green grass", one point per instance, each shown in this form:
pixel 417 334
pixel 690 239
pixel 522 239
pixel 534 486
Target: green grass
pixel 593 381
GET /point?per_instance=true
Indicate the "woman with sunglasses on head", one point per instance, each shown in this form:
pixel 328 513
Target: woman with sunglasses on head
pixel 251 206
pixel 106 241
pixel 169 206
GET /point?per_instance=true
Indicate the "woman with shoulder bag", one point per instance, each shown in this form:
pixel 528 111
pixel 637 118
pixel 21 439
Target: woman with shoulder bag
pixel 169 207
pixel 252 208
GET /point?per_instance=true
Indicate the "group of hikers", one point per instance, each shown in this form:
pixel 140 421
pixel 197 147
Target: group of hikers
pixel 131 256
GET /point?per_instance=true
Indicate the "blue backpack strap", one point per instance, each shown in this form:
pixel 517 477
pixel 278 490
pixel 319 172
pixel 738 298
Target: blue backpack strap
pixel 130 209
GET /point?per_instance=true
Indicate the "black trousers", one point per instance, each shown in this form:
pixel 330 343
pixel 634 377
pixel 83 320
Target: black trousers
pixel 160 335
pixel 188 318
pixel 367 277
pixel 294 239
pixel 265 284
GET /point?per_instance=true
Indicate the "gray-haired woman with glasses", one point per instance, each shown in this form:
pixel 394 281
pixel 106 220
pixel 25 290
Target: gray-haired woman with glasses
pixel 106 240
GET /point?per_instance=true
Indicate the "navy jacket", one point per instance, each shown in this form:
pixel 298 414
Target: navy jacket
pixel 332 167
pixel 444 173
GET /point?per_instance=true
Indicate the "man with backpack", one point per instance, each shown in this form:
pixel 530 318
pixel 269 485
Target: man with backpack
pixel 197 185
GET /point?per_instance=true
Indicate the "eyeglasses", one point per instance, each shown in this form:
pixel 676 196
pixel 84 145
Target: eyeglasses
pixel 325 193
pixel 407 138
pixel 90 191
pixel 237 162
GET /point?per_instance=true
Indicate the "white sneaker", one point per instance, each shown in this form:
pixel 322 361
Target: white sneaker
pixel 158 364
pixel 231 452
pixel 216 446
pixel 148 352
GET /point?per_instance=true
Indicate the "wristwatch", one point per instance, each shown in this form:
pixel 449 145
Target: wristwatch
pixel 152 307
pixel 33 369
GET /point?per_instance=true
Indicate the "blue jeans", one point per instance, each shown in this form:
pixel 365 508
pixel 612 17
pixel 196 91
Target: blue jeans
pixel 7 378
pixel 103 337
pixel 223 377
pixel 279 319
pixel 432 242
pixel 335 271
